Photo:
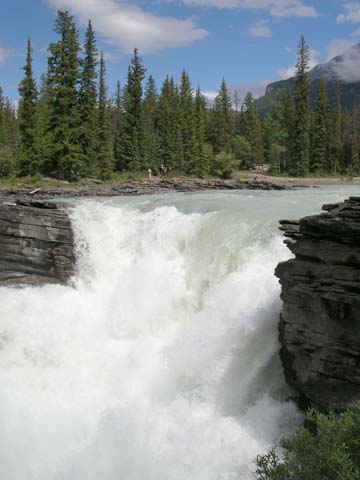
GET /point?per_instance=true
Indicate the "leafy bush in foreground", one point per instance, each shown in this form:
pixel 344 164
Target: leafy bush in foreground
pixel 333 453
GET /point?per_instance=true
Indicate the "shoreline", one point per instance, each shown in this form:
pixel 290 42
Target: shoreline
pixel 91 188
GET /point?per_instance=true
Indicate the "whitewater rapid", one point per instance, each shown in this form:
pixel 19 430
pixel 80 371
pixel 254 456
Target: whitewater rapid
pixel 160 363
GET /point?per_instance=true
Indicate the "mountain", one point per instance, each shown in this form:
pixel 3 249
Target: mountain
pixel 344 68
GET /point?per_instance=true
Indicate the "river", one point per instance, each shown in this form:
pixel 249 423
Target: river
pixel 162 362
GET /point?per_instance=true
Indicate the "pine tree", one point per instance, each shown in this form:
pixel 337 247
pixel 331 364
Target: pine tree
pixel 151 148
pixel 222 118
pixel 28 158
pixel 104 146
pixel 133 123
pixel 66 158
pixel 87 99
pixel 319 153
pixel 300 139
pixel 201 150
pixel 186 110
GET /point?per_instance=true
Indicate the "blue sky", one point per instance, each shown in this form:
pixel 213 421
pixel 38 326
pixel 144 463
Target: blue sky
pixel 248 42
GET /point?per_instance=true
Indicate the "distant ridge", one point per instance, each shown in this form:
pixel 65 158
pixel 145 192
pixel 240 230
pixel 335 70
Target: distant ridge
pixel 344 68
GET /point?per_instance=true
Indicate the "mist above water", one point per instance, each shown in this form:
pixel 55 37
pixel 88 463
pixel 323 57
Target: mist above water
pixel 161 363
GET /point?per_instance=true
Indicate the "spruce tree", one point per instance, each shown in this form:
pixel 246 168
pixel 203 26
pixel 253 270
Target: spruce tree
pixel 66 158
pixel 87 99
pixel 319 153
pixel 116 121
pixel 104 145
pixel 151 148
pixel 300 138
pixel 288 113
pixel 168 126
pixel 28 152
pixel 132 145
pixel 222 118
pixel 42 126
pixel 186 110
pixel 201 151
pixel 250 128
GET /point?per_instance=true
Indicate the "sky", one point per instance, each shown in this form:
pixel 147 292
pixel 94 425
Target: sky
pixel 248 42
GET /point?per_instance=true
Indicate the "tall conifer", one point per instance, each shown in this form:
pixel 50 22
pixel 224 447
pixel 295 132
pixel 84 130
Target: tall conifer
pixel 336 141
pixel 300 138
pixel 116 121
pixel 201 153
pixel 87 99
pixel 186 111
pixel 104 146
pixel 151 148
pixel 319 150
pixel 133 122
pixel 66 157
pixel 223 122
pixel 28 156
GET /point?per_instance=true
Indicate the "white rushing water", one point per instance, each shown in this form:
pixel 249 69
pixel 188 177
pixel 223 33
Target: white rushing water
pixel 161 363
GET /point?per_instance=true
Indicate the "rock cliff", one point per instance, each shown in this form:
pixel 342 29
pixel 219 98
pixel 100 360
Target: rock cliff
pixel 320 320
pixel 36 244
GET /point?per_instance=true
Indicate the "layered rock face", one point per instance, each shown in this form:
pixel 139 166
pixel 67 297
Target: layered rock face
pixel 36 244
pixel 320 320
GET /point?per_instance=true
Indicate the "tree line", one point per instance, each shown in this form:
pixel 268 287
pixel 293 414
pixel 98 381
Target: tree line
pixel 67 127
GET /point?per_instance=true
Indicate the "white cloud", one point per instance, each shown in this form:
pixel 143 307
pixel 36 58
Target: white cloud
pixel 127 26
pixel 356 33
pixel 256 88
pixel 285 73
pixel 276 8
pixel 337 46
pixel 351 14
pixel 260 29
pixel 348 69
pixel 3 55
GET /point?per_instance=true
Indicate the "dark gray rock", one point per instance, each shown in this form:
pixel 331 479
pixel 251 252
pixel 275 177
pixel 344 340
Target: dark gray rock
pixel 320 320
pixel 36 244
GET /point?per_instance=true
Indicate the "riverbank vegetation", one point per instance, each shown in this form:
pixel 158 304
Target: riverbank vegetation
pixel 68 127
pixel 333 452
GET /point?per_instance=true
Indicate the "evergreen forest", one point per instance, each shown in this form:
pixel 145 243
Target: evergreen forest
pixel 67 125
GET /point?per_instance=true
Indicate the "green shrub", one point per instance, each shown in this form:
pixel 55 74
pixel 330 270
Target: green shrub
pixel 333 453
pixel 223 165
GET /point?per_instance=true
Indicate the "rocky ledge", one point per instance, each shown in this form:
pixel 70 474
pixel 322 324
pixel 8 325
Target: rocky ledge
pixel 36 244
pixel 320 320
pixel 145 187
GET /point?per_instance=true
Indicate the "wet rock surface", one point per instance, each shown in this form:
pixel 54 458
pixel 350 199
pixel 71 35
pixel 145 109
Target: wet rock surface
pixel 320 320
pixel 36 244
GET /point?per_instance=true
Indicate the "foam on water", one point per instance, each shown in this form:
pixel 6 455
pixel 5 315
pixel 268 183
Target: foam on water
pixel 161 363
